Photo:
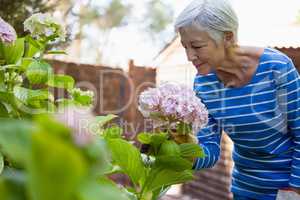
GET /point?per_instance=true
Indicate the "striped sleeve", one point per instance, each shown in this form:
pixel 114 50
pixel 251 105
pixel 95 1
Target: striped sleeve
pixel 209 139
pixel 288 83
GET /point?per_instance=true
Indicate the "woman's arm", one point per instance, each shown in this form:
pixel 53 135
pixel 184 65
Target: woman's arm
pixel 209 139
pixel 288 82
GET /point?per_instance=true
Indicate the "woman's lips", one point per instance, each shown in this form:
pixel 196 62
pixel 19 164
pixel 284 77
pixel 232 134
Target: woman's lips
pixel 198 65
pixel 203 68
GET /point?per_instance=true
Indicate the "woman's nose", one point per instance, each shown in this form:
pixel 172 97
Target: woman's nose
pixel 191 54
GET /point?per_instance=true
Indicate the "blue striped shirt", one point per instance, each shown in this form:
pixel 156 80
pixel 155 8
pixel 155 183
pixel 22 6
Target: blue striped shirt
pixel 262 118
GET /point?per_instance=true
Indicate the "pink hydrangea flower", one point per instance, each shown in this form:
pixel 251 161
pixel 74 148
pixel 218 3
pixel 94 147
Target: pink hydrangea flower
pixel 7 32
pixel 173 102
pixel 149 102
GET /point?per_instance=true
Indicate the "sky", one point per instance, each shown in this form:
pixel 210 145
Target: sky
pixel 268 22
pixel 259 20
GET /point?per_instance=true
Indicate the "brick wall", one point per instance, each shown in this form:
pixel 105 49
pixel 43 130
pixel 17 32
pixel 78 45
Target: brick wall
pixel 116 90
pixel 142 78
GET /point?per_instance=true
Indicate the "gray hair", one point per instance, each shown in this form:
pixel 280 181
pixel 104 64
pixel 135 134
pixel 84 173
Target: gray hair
pixel 213 16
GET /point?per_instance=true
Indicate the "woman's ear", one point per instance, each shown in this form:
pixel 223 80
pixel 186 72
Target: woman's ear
pixel 228 39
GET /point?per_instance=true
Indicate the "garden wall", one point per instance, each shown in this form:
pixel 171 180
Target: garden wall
pixel 116 91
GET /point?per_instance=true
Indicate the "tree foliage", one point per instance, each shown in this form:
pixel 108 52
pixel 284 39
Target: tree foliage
pixel 16 11
pixel 159 15
pixel 298 18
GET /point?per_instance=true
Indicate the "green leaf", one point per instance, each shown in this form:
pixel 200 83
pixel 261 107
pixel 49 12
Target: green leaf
pixel 158 138
pixel 130 189
pixel 12 185
pixel 158 193
pixel 35 104
pixel 183 128
pixel 48 106
pixel 26 95
pixel 169 148
pixel 12 53
pixel 34 43
pixel 61 81
pixel 56 169
pixel 114 169
pixel 144 138
pixel 2 84
pixel 104 190
pixel 112 132
pixel 102 120
pixel 65 102
pixel 38 72
pixel 159 177
pixel 7 97
pixel 10 66
pixel 56 52
pixel 38 107
pixel 1 163
pixel 173 162
pixel 8 103
pixel 52 125
pixel 130 193
pixel 3 111
pixel 15 139
pixel 128 158
pixel 98 156
pixel 32 48
pixel 26 62
pixel 189 150
pixel 84 100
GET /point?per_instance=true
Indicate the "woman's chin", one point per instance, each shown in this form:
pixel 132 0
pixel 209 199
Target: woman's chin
pixel 203 69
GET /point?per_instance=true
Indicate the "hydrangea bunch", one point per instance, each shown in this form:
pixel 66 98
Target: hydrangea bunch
pixel 7 32
pixel 42 25
pixel 170 104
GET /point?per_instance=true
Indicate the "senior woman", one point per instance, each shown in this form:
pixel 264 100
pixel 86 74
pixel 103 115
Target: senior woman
pixel 251 93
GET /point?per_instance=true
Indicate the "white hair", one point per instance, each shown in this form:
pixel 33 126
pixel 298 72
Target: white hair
pixel 213 16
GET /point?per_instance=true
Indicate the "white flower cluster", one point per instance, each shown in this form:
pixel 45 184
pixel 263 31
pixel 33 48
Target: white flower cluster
pixel 43 25
pixel 79 92
pixel 13 77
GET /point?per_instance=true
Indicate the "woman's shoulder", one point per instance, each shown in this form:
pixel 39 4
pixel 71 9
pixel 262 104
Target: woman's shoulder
pixel 273 56
pixel 273 59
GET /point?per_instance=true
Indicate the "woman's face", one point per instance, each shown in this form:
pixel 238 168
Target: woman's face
pixel 201 50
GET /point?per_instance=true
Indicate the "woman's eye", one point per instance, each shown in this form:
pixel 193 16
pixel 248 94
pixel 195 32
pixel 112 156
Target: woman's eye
pixel 197 47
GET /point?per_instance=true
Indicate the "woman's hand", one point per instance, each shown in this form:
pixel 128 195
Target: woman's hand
pixel 297 190
pixel 187 138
